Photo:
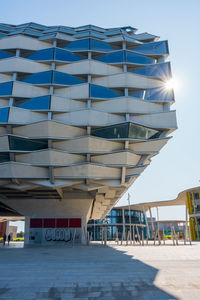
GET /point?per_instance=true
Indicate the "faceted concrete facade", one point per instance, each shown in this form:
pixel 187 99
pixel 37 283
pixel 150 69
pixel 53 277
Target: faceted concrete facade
pixel 82 111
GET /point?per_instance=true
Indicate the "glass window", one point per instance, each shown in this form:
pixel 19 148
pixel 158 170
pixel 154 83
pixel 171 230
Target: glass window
pixel 4 157
pixel 153 48
pixel 100 46
pixel 162 71
pixel 17 143
pixel 141 132
pixel 4 114
pixel 80 45
pixel 6 88
pixel 65 79
pixel 35 103
pixel 97 91
pixel 114 131
pixel 159 94
pixel 64 55
pixel 138 94
pixel 4 54
pixel 115 57
pixel 138 59
pixel 46 54
pixel 39 78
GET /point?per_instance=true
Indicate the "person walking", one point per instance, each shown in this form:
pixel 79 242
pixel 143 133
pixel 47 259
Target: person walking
pixel 4 239
pixel 9 238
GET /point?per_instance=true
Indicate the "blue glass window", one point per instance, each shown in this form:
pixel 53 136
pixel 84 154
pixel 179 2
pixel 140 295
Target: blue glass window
pixel 4 157
pixel 138 94
pixel 65 79
pixel 126 130
pixel 6 88
pixel 35 103
pixel 138 59
pixel 39 78
pixel 100 46
pixel 4 114
pixel 4 54
pixel 81 45
pixel 115 57
pixel 17 143
pixel 46 54
pixel 157 70
pixel 97 91
pixel 153 48
pixel 64 55
pixel 160 94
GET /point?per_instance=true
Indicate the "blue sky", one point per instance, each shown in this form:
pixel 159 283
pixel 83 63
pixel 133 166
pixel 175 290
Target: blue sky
pixel 177 166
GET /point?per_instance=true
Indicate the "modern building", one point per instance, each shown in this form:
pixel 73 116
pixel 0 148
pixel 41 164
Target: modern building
pixel 82 112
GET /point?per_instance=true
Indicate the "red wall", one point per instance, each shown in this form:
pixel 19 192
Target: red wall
pixel 55 223
pixel 3 228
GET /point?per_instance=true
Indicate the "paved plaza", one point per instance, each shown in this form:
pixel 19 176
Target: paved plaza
pixel 99 272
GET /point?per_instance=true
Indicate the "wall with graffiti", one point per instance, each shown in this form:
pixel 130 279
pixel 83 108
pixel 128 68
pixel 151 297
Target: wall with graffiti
pixel 55 230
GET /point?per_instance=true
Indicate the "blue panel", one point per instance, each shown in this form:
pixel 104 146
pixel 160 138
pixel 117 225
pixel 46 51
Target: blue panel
pixel 4 157
pixel 17 143
pixel 6 88
pixel 157 70
pixel 115 57
pixel 39 78
pixel 100 46
pixel 64 55
pixel 81 45
pixel 65 79
pixel 4 114
pixel 153 48
pixel 138 94
pixel 46 54
pixel 4 54
pixel 161 94
pixel 35 103
pixel 138 59
pixel 97 91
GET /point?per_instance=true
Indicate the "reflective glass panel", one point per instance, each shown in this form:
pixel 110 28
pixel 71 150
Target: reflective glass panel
pixel 65 79
pixel 4 157
pixel 161 94
pixel 138 94
pixel 115 57
pixel 39 78
pixel 138 59
pixel 141 132
pixel 4 114
pixel 80 45
pixel 100 46
pixel 4 54
pixel 46 54
pixel 17 143
pixel 156 70
pixel 114 131
pixel 35 103
pixel 97 91
pixel 153 48
pixel 6 88
pixel 64 55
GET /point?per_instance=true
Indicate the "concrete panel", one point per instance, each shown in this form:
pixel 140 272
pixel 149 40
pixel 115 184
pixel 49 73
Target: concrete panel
pixel 127 80
pixel 28 90
pixel 4 144
pixel 49 129
pixel 79 91
pixel 19 64
pixel 23 42
pixel 4 102
pixel 87 145
pixel 161 120
pixel 66 104
pixel 148 146
pixel 49 157
pixel 121 158
pixel 135 171
pixel 19 115
pixel 18 170
pixel 89 117
pixel 89 67
pixel 5 78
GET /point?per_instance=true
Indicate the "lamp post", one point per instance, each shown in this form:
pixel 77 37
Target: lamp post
pixel 129 207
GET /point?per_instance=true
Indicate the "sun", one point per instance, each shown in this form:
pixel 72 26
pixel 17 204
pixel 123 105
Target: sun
pixel 171 84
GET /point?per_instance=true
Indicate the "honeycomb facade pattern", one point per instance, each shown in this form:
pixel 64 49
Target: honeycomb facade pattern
pixel 82 112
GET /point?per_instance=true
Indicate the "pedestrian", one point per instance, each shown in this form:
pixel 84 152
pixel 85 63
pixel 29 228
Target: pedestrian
pixel 9 238
pixel 4 239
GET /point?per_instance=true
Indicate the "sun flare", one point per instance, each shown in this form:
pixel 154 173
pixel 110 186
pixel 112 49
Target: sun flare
pixel 171 84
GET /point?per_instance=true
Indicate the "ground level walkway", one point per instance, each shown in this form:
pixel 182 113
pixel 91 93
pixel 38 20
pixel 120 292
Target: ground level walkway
pixel 98 272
